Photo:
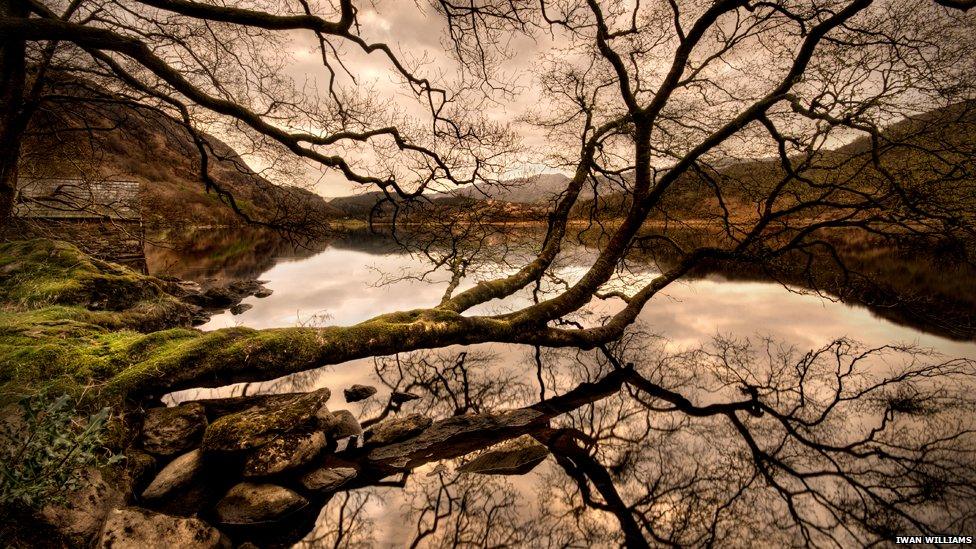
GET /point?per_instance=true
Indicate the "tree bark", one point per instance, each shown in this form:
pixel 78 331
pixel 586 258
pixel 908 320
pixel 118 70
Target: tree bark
pixel 12 81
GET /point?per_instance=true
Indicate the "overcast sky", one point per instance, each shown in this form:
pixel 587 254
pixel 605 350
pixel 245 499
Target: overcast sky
pixel 413 32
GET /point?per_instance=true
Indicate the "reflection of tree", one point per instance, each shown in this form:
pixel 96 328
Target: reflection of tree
pixel 839 445
pixel 466 511
pixel 343 523
pixel 447 383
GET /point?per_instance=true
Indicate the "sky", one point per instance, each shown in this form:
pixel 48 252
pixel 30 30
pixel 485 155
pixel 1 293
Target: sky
pixel 413 31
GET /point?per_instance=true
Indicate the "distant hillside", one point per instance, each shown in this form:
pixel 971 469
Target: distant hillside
pixel 71 138
pixel 932 156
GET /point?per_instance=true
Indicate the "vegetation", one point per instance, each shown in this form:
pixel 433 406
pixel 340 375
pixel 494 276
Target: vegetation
pixel 48 445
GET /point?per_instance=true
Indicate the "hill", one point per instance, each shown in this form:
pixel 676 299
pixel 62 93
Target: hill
pixel 90 139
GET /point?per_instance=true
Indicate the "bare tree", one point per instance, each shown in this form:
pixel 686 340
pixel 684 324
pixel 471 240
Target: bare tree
pixel 662 99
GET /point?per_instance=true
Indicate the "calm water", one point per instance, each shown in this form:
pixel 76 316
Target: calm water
pixel 348 281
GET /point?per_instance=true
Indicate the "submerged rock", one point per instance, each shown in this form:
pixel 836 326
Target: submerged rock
pixel 328 479
pixel 241 308
pixel 259 425
pixel 515 457
pixel 178 475
pixel 396 429
pixel 359 392
pixel 348 425
pixel 399 397
pixel 249 503
pixel 135 528
pixel 168 431
pixel 283 453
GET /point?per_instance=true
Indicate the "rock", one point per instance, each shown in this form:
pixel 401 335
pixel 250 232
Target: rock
pixel 514 457
pixel 81 516
pixel 178 475
pixel 283 453
pixel 168 431
pixel 398 428
pixel 456 436
pixel 263 293
pixel 217 407
pixel 328 479
pixel 139 466
pixel 259 425
pixel 400 397
pixel 241 308
pixel 348 425
pixel 134 528
pixel 249 503
pixel 359 392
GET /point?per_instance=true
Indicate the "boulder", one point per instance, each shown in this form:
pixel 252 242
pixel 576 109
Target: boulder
pixel 80 517
pixel 169 431
pixel 514 457
pixel 178 475
pixel 249 503
pixel 396 429
pixel 283 453
pixel 134 528
pixel 259 425
pixel 139 466
pixel 359 392
pixel 328 479
pixel 348 425
pixel 399 397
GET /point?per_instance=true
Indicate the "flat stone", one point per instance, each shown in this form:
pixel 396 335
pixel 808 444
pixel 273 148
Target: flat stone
pixel 259 425
pixel 263 293
pixel 399 397
pixel 283 453
pixel 179 474
pixel 514 457
pixel 328 479
pixel 398 428
pixel 169 431
pixel 348 425
pixel 217 407
pixel 249 503
pixel 134 528
pixel 359 392
pixel 457 436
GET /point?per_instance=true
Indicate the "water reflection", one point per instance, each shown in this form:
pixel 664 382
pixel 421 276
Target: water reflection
pixel 631 462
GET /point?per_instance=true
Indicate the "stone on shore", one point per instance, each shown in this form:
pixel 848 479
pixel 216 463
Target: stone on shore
pixel 283 453
pixel 348 425
pixel 396 429
pixel 249 503
pixel 178 475
pixel 134 528
pixel 259 425
pixel 328 479
pixel 169 431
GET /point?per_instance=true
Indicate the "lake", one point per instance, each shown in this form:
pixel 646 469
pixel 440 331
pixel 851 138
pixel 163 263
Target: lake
pixel 346 281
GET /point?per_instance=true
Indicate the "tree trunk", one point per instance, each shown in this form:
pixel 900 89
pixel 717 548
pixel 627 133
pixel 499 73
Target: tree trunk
pixel 12 80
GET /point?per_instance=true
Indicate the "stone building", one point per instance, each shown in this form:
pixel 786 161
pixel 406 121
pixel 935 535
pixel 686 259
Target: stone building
pixel 100 217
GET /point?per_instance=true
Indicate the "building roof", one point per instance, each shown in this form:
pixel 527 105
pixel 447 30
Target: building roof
pixel 77 199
